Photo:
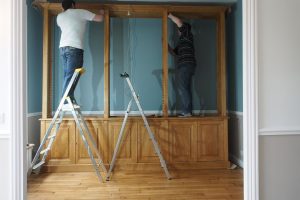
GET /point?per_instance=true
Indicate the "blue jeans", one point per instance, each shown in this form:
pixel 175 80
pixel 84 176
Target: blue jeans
pixel 72 59
pixel 184 78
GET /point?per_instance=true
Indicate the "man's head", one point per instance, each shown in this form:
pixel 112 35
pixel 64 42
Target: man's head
pixel 66 4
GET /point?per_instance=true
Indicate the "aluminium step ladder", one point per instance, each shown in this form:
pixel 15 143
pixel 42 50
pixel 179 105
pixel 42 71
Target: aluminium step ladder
pixel 151 135
pixel 81 124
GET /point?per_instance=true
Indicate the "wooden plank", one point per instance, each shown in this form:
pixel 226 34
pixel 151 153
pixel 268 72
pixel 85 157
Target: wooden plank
pixel 46 98
pixel 206 10
pixel 165 63
pixel 144 10
pixel 210 141
pixel 221 66
pixel 183 141
pixel 136 11
pixel 146 151
pixel 106 64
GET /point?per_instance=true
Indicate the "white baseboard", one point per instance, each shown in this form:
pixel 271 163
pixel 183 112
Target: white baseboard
pixel 4 136
pixel 279 131
pixel 34 114
pixel 237 113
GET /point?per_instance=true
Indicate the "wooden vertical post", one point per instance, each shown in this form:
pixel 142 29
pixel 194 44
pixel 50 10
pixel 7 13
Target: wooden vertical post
pixel 47 75
pixel 165 63
pixel 106 64
pixel 221 65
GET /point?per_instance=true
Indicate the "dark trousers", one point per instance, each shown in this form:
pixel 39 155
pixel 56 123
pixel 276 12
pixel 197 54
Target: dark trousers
pixel 72 59
pixel 184 78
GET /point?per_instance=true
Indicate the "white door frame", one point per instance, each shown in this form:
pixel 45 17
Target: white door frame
pixel 18 78
pixel 250 103
pixel 19 99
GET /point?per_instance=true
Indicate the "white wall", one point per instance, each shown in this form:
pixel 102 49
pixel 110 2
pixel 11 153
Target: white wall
pixel 5 129
pixel 279 98
pixel 279 64
pixel 5 166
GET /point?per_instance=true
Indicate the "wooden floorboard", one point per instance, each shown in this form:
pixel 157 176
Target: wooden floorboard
pixel 189 184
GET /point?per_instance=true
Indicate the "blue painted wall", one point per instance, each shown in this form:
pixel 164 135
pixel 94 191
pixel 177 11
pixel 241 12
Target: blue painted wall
pixel 34 58
pixel 136 48
pixel 235 58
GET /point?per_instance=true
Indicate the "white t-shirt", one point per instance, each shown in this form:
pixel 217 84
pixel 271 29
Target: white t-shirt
pixel 72 24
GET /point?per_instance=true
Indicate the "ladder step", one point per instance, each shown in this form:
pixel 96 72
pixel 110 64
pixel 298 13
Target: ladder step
pixel 67 107
pixel 38 165
pixel 51 136
pixel 45 150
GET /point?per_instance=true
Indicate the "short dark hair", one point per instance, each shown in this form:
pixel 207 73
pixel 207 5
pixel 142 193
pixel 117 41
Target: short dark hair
pixel 66 4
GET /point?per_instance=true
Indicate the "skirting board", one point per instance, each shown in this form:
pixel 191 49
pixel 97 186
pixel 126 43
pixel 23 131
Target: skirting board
pixel 279 131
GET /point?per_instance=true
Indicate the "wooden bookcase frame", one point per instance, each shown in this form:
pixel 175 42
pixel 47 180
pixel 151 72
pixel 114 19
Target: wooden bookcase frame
pixel 189 143
pixel 142 11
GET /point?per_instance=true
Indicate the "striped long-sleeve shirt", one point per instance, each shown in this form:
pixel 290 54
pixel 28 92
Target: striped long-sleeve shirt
pixel 185 48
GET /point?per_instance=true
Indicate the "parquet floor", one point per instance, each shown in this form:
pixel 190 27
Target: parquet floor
pixel 191 184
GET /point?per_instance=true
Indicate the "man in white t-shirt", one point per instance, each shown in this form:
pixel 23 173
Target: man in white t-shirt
pixel 72 23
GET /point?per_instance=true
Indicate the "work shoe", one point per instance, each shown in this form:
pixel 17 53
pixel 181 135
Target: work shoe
pixel 185 115
pixel 68 106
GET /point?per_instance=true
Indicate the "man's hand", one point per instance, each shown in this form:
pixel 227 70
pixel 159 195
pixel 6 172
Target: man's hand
pixel 175 19
pixel 170 15
pixel 101 12
pixel 99 17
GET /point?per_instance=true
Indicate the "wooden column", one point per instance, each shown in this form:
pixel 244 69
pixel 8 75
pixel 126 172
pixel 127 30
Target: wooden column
pixel 47 68
pixel 106 64
pixel 221 65
pixel 165 63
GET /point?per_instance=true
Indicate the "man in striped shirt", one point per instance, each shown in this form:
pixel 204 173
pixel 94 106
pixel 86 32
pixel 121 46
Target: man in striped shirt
pixel 186 64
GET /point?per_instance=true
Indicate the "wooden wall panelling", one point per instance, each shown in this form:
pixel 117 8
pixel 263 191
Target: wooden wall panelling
pixel 128 146
pixel 183 141
pixel 99 135
pixel 106 64
pixel 146 152
pixel 104 143
pixel 63 148
pixel 210 141
pixel 47 69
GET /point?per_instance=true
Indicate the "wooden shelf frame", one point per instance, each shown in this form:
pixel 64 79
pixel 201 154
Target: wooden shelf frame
pixel 215 12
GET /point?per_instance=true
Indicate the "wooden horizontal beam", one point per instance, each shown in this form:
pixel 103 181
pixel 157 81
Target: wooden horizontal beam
pixel 143 11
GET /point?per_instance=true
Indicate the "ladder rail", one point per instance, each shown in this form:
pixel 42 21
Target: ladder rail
pixel 151 135
pixel 45 138
pixel 81 119
pixel 116 150
pixel 85 142
pixel 79 123
pixel 75 74
pixel 53 138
